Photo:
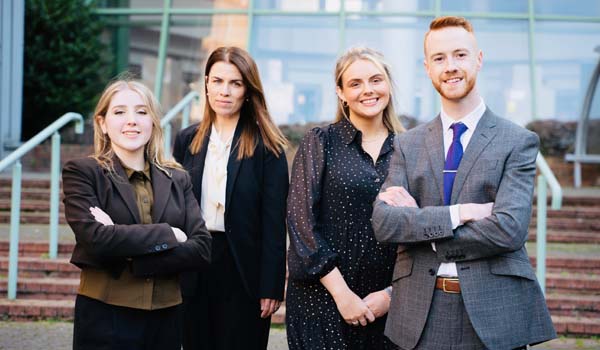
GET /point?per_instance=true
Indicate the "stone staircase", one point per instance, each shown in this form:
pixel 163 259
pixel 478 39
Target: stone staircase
pixel 47 288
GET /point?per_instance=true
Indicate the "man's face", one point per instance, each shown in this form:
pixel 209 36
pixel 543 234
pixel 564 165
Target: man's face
pixel 452 60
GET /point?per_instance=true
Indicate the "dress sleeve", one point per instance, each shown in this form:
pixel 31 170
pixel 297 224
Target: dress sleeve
pixel 310 256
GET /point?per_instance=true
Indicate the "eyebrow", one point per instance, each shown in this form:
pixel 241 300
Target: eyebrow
pixel 124 106
pixel 371 77
pixel 218 77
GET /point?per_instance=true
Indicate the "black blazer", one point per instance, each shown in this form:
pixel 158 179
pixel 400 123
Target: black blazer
pixel 151 249
pixel 255 203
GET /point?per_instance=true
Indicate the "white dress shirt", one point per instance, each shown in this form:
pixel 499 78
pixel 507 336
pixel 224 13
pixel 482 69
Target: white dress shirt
pixel 214 181
pixel 470 120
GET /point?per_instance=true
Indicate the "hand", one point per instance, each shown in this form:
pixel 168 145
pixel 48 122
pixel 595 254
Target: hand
pixel 398 196
pixel 180 236
pixel 101 216
pixel 378 302
pixel 473 211
pixel 268 307
pixel 353 309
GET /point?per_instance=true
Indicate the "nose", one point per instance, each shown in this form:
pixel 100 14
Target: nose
pixel 368 89
pixel 131 118
pixel 224 90
pixel 451 65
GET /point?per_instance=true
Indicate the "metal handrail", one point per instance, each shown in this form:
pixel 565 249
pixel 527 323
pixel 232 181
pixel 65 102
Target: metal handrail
pixel 183 105
pixel 15 211
pixel 545 179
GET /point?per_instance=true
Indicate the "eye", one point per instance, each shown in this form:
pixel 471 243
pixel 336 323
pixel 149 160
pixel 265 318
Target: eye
pixel 462 55
pixel 142 111
pixel 354 84
pixel 438 59
pixel 118 112
pixel 238 84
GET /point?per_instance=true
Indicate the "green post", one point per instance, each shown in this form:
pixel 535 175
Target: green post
pixel 162 49
pixel 541 232
pixel 15 220
pixel 54 195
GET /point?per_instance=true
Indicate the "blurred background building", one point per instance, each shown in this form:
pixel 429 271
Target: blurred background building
pixel 538 54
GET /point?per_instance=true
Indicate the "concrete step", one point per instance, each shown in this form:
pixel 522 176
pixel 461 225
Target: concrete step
pixel 30 205
pixel 573 283
pixel 574 305
pixel 31 218
pixel 36 248
pixel 571 263
pixel 573 224
pixel 44 288
pixel 35 267
pixel 567 236
pixel 34 310
pixel 29 193
pixel 584 212
pixel 577 326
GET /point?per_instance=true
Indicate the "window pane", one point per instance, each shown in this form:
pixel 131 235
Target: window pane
pixel 504 80
pixel 389 5
pixel 296 57
pixel 401 42
pixel 296 5
pixel 565 60
pixel 567 7
pixel 510 6
pixel 134 4
pixel 210 4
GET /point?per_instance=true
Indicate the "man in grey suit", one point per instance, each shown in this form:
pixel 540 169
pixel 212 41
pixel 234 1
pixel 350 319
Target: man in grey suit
pixel 458 199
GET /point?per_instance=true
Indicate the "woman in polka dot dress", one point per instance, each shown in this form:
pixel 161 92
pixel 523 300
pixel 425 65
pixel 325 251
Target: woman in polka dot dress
pixel 338 295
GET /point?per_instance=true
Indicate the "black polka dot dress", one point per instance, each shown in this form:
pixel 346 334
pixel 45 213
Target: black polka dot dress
pixel 334 183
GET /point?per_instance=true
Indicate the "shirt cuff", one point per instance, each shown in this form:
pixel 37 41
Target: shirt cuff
pixel 454 216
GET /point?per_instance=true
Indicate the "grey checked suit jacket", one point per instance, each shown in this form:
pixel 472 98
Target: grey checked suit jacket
pixel 500 291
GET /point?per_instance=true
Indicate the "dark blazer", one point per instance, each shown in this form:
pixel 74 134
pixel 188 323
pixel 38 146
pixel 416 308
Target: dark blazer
pixel 152 249
pixel 499 288
pixel 255 207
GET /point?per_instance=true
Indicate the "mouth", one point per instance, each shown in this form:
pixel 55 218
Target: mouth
pixel 454 80
pixel 131 133
pixel 370 102
pixel 223 102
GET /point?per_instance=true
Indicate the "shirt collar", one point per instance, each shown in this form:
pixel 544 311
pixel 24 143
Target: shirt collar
pixel 470 120
pixel 130 172
pixel 347 130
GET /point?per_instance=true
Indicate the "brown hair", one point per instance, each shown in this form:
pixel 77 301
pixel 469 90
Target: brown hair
pixel 154 152
pixel 254 115
pixel 390 120
pixel 448 21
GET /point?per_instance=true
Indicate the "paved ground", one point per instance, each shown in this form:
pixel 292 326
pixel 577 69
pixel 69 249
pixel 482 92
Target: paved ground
pixel 57 336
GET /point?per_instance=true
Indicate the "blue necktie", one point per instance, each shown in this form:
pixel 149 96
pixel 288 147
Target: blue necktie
pixel 455 153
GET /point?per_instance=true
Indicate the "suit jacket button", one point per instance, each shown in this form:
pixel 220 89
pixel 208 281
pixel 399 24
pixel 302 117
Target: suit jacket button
pixel 165 246
pixel 432 272
pixel 157 247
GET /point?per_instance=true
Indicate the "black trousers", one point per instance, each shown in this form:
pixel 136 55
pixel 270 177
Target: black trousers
pixel 222 316
pixel 100 326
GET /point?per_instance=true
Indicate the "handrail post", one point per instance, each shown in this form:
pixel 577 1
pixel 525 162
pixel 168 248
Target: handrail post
pixel 15 212
pixel 541 231
pixel 54 195
pixel 185 119
pixel 167 137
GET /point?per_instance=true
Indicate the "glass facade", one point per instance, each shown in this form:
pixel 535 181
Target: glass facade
pixel 538 54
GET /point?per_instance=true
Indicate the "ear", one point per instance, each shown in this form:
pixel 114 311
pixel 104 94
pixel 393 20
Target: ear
pixel 101 121
pixel 479 60
pixel 340 93
pixel 426 66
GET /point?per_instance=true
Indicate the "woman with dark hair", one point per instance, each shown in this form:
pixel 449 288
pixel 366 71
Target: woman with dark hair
pixel 338 290
pixel 239 172
pixel 137 226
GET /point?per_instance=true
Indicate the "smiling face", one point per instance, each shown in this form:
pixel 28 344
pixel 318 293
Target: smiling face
pixel 365 89
pixel 452 61
pixel 128 124
pixel 225 89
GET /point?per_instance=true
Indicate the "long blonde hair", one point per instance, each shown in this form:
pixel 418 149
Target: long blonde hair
pixel 390 120
pixel 254 115
pixel 153 151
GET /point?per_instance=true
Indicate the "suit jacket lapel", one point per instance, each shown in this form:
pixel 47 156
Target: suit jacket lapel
pixel 198 162
pixel 483 134
pixel 121 183
pixel 161 188
pixel 435 148
pixel 233 164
